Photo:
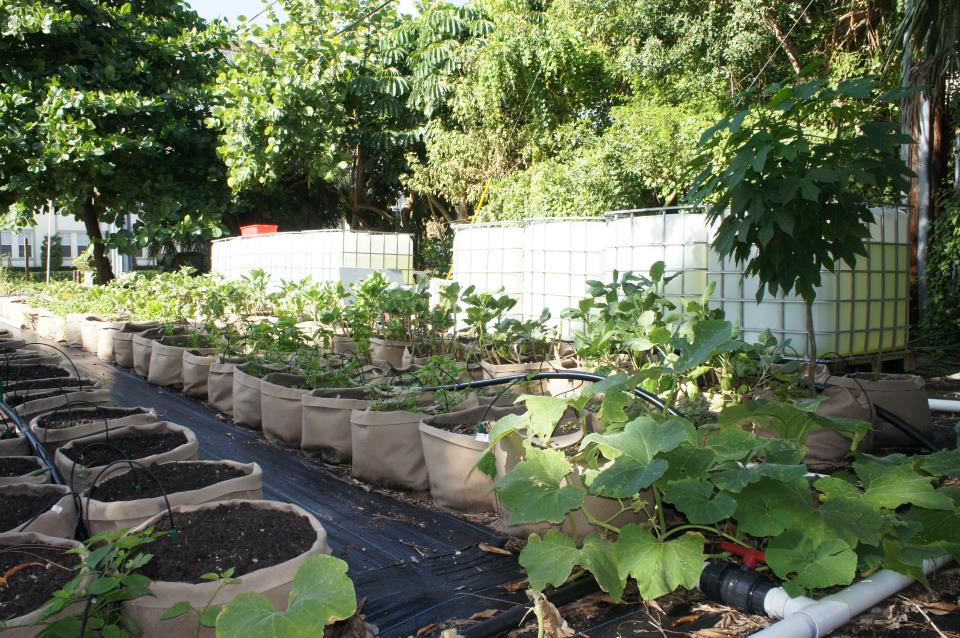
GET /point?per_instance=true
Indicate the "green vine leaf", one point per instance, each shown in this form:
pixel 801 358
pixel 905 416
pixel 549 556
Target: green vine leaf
pixel 688 462
pixel 625 477
pixel 549 560
pixel 731 444
pixel 890 485
pixel 659 567
pixel 696 500
pixel 734 480
pixel 942 463
pixel 533 489
pixel 322 593
pixel 804 564
pixel 598 556
pixel 768 507
pixel 544 414
pixel 641 439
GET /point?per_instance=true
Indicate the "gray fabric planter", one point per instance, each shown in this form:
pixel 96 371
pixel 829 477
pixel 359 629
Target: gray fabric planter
pixel 281 408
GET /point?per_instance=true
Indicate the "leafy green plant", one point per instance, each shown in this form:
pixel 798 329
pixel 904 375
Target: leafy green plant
pixel 678 488
pixel 788 179
pixel 206 615
pixel 322 594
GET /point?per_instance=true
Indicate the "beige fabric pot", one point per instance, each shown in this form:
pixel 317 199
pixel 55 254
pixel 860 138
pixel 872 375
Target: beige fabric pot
pixel 281 407
pixel 166 361
pixel 342 345
pixel 32 409
pixel 60 520
pixel 16 446
pixel 105 340
pixel 21 626
pixel 450 457
pixel 498 371
pixel 10 344
pixel 51 326
pixel 90 332
pixel 81 477
pixel 73 328
pixel 123 341
pixel 53 438
pixel 387 450
pixel 28 357
pixel 220 386
pixel 325 431
pixel 42 388
pixel 396 353
pixel 142 350
pixel 196 371
pixel 246 398
pixel 39 479
pixel 110 516
pixel 903 394
pixel 273 582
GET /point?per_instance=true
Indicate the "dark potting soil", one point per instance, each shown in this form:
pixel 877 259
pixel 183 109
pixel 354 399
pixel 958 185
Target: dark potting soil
pixel 174 477
pixel 72 418
pixel 130 446
pixel 47 384
pixel 14 466
pixel 15 373
pixel 216 539
pixel 38 571
pixel 17 509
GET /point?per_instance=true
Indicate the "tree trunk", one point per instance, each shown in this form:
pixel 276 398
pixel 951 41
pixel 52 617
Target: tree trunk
pixel 91 220
pixel 811 350
pixel 785 43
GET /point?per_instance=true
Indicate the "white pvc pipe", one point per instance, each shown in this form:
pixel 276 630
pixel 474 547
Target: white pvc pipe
pixel 944 405
pixel 807 618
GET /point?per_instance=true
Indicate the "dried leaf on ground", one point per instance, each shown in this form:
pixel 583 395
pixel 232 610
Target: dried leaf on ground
pixel 486 613
pixel 683 620
pixel 426 629
pixel 519 585
pixel 490 549
pixel 554 626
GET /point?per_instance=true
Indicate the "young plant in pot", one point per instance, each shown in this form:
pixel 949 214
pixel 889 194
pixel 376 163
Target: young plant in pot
pixel 270 346
pixel 787 180
pixel 23 469
pixel 436 330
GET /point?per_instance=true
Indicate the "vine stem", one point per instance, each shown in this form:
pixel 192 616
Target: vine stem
pixel 705 528
pixel 593 520
pixel 658 505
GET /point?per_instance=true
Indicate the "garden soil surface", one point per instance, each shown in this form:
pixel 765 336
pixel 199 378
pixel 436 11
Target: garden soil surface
pixel 420 570
pixel 130 446
pixel 68 419
pixel 239 536
pixel 17 509
pixel 46 569
pixel 31 372
pixel 13 466
pixel 174 477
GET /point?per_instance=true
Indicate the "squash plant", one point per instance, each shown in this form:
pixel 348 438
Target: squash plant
pixel 686 489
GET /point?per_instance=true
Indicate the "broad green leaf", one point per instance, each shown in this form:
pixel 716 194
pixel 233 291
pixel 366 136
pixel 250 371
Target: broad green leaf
pixel 176 610
pixel 625 477
pixel 937 528
pixel 768 507
pixel 533 490
pixel 549 560
pixel 832 487
pixel 322 593
pixel 853 520
pixel 641 439
pixel 890 486
pixel 613 407
pixel 710 337
pixel 507 424
pixel 734 480
pixel 544 414
pixel 804 565
pixel 943 463
pixel 908 558
pixel 731 444
pixel 696 500
pixel 659 567
pixel 598 557
pixel 688 462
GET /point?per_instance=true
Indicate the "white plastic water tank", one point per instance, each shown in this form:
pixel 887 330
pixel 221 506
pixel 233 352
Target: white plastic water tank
pixel 490 257
pixel 857 311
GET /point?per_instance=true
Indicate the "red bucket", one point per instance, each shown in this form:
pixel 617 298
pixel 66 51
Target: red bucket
pixel 258 229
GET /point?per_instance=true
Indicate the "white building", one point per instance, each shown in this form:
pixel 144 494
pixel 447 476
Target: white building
pixel 17 246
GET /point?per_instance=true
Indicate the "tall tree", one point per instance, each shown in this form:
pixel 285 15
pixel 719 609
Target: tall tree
pixel 102 105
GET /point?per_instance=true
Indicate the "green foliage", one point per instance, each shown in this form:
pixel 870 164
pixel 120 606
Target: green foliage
pixel 940 323
pixel 54 244
pixel 795 173
pixel 322 594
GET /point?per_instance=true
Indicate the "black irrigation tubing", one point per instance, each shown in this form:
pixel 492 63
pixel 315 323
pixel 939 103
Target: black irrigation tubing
pixel 99 411
pixel 38 448
pixel 85 514
pixel 95 444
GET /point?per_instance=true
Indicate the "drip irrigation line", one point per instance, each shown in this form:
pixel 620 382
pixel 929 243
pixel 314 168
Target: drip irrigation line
pixel 139 466
pixel 38 449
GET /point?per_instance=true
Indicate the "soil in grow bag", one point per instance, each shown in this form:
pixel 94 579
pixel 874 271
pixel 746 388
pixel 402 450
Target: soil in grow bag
pixel 55 383
pixel 13 466
pixel 68 419
pixel 45 570
pixel 216 539
pixel 17 509
pixel 135 446
pixel 174 477
pixel 14 373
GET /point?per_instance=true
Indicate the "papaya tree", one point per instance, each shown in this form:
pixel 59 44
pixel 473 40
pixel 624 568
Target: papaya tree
pixel 102 107
pixel 788 179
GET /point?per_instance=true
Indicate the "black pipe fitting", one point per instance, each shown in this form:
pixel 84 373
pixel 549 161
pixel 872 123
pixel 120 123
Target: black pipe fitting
pixel 738 587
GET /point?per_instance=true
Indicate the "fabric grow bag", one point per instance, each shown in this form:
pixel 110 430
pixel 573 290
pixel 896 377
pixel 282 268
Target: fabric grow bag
pixel 325 431
pixel 166 361
pixel 36 479
pixel 23 626
pixel 396 353
pixel 498 371
pixel 51 326
pixel 387 450
pixel 274 582
pixel 60 520
pixel 81 477
pixel 246 398
pixel 142 343
pixel 11 443
pixel 90 332
pixel 32 409
pixel 196 372
pixel 123 341
pixel 450 457
pixel 220 385
pixel 104 516
pixel 113 417
pixel 281 408
pixel 903 394
pixel 105 340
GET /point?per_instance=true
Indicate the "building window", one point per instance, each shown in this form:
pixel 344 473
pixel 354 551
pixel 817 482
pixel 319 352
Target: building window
pixel 82 242
pixel 22 239
pixel 6 243
pixel 67 243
